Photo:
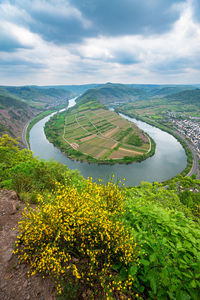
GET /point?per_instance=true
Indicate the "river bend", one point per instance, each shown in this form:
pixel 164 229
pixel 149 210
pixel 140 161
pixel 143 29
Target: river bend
pixel 168 161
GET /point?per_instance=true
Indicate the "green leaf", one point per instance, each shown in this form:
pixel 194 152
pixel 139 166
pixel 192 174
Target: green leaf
pixel 132 270
pixel 193 284
pixel 116 267
pixel 182 295
pixel 153 257
pixel 153 284
pixel 179 246
pixel 145 262
pixel 123 273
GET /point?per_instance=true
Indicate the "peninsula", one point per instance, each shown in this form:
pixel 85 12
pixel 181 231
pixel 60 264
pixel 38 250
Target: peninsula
pixel 90 132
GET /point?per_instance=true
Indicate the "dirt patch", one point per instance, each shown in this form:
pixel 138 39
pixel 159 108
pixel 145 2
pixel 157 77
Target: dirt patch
pixel 130 151
pixel 102 153
pixel 4 113
pixel 87 138
pixel 121 153
pixel 120 122
pixel 75 146
pixel 111 132
pixel 115 145
pixel 14 282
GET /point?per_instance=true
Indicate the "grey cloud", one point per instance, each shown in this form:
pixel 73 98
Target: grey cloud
pixel 9 43
pixel 19 63
pixel 176 66
pixel 57 21
pixel 117 17
pixel 124 57
pixel 62 22
pixel 196 8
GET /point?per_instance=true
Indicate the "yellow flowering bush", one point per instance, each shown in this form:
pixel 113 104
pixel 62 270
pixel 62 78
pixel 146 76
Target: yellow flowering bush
pixel 79 234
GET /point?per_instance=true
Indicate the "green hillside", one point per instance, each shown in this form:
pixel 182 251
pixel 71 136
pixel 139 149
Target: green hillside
pixel 8 101
pixel 37 94
pixel 110 93
pixel 123 93
pixel 14 113
pixel 76 89
pixel 186 97
pixel 102 240
pixel 19 104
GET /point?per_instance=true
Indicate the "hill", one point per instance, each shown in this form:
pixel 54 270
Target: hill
pixel 122 93
pixel 38 96
pixel 186 97
pixel 14 114
pixel 19 104
pixel 113 93
pixel 76 89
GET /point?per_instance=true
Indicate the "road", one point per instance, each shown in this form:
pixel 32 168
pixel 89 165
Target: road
pixel 24 141
pixel 194 169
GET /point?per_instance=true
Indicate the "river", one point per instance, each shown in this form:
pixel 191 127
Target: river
pixel 168 161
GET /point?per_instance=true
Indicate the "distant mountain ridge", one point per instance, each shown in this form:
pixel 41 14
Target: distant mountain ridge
pixel 38 94
pixel 119 93
pixel 186 97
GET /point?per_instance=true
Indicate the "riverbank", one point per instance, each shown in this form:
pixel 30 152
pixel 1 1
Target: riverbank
pixel 32 122
pixel 192 160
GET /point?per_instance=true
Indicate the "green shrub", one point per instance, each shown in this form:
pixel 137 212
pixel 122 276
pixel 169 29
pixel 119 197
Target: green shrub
pixel 79 235
pixel 170 260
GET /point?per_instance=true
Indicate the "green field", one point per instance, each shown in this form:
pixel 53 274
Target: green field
pixel 158 108
pixel 91 131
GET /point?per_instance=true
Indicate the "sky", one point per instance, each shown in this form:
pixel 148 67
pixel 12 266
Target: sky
pixel 46 42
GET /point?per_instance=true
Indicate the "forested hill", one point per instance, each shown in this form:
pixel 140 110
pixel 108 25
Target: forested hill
pixel 14 113
pixel 35 93
pixel 20 104
pixel 186 97
pixel 110 93
pixel 123 93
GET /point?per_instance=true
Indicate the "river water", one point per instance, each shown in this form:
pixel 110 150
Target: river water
pixel 169 159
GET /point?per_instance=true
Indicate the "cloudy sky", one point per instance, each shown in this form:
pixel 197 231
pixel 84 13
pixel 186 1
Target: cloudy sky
pixel 95 41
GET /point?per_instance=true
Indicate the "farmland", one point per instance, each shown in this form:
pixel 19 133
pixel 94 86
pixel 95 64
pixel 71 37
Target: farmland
pixel 90 132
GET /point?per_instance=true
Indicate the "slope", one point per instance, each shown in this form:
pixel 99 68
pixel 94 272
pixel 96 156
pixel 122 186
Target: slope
pixel 14 114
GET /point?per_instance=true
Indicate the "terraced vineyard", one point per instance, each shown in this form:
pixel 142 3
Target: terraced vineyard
pixel 98 134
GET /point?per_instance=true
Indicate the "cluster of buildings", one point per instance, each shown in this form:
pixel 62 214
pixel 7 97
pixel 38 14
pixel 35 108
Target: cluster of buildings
pixel 189 127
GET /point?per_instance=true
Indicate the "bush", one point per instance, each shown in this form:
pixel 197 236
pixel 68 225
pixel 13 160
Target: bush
pixel 80 235
pixel 170 260
pixel 10 155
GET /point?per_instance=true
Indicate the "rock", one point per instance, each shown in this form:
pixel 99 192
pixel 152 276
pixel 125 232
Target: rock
pixel 25 284
pixel 7 255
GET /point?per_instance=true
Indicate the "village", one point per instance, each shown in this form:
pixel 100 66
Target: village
pixel 189 127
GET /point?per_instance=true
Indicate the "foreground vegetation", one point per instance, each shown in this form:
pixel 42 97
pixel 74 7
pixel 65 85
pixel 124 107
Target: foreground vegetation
pixel 89 132
pixel 101 240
